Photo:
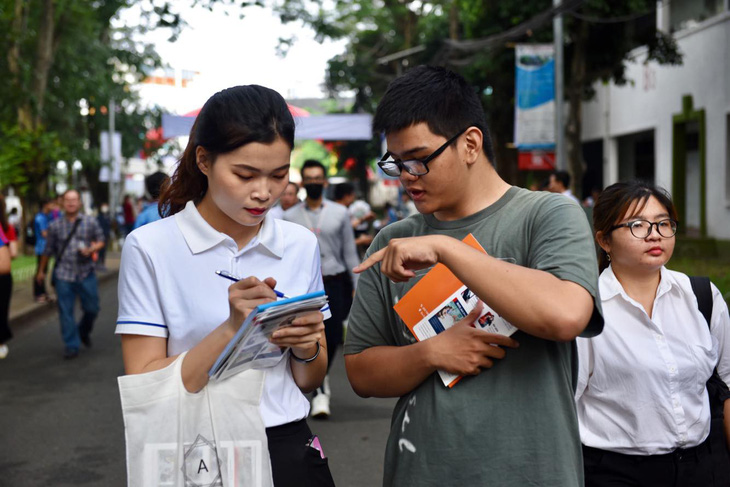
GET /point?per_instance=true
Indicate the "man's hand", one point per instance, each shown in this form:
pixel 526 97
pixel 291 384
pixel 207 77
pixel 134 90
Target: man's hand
pixel 403 256
pixel 465 350
pixel 245 295
pixel 40 277
pixel 86 251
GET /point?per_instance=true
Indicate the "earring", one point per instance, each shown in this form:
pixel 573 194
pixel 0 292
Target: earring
pixel 608 256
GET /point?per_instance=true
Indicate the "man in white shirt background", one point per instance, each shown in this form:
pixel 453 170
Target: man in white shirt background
pixel 331 223
pixel 288 199
pixel 559 182
pixel 361 215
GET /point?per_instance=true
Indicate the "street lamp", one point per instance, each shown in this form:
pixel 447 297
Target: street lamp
pixel 75 168
pixel 62 172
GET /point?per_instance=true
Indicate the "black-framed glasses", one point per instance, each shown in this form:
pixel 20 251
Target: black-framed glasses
pixel 667 228
pixel 415 167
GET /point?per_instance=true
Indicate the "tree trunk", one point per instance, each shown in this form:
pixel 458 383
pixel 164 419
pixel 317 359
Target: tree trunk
pixel 25 113
pixel 44 59
pixel 454 21
pixel 574 125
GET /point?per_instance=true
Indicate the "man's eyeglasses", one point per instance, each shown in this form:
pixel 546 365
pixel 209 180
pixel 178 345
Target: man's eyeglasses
pixel 642 228
pixel 416 167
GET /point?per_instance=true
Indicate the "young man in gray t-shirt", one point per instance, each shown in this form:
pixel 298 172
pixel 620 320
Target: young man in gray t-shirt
pixel 511 421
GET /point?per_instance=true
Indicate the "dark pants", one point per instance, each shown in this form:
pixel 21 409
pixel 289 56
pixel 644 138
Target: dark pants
pixel 39 289
pixel 293 462
pixel 339 292
pixel 102 253
pixel 67 291
pixel 691 467
pixel 6 291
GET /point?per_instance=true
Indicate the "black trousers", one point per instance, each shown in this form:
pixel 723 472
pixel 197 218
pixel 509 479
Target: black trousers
pixel 39 289
pixel 691 467
pixel 339 291
pixel 293 462
pixel 6 291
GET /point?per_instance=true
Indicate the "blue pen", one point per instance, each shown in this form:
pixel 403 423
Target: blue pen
pixel 231 277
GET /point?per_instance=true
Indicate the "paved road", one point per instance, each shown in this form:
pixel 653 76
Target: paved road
pixel 61 423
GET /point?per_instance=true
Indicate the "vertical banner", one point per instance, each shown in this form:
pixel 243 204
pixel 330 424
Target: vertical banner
pixel 535 97
pixel 110 157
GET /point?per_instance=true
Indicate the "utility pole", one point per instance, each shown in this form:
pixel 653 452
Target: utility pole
pixel 560 161
pixel 112 190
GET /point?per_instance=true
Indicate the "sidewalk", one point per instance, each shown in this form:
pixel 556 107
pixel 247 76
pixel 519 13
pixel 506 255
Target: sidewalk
pixel 23 306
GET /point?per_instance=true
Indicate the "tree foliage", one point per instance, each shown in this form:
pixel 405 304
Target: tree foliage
pixel 600 38
pixel 65 60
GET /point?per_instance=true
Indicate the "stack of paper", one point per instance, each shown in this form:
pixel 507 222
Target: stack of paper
pixel 439 300
pixel 250 347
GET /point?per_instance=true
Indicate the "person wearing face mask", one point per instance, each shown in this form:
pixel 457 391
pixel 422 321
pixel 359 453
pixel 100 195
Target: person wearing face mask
pixel 330 222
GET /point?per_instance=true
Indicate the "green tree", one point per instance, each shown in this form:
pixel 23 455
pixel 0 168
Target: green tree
pixel 602 37
pixel 374 30
pixel 64 60
pixel 599 34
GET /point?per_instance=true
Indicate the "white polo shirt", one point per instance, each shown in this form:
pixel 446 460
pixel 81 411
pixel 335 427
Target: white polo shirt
pixel 168 288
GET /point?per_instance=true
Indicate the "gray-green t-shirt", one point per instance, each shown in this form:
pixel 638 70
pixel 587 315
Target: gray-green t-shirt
pixel 515 424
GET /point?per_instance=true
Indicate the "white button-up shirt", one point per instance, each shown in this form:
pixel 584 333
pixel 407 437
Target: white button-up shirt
pixel 641 383
pixel 168 288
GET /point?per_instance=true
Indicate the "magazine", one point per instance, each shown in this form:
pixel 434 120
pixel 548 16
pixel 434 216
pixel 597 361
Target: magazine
pixel 439 300
pixel 250 347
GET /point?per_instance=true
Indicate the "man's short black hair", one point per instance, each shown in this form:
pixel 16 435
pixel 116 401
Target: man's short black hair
pixel 434 95
pixel 343 189
pixel 154 183
pixel 563 177
pixel 313 163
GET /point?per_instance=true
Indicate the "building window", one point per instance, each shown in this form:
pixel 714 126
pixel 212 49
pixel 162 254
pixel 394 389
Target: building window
pixel 636 158
pixel 688 13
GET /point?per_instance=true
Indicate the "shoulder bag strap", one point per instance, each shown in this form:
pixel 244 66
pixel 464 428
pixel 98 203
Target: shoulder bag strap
pixel 68 239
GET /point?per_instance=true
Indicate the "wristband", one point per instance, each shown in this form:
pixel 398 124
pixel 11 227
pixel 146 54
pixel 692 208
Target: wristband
pixel 310 359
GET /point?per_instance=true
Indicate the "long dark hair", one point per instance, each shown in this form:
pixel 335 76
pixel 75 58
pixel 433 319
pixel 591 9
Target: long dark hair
pixel 229 119
pixel 615 201
pixel 4 215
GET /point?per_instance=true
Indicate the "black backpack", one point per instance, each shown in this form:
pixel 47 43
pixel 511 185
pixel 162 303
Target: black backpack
pixel 718 392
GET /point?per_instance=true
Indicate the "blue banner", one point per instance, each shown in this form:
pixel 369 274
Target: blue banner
pixel 535 96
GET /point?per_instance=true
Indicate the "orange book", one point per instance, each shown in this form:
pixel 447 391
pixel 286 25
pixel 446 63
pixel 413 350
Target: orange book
pixel 439 300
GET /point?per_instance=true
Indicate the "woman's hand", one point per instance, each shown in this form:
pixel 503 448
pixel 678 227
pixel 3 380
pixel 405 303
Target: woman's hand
pixel 302 335
pixel 245 295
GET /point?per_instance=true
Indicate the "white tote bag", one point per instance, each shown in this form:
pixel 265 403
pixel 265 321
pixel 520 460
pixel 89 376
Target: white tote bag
pixel 179 439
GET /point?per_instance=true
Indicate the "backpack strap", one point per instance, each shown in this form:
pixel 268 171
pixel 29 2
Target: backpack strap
pixel 703 291
pixel 717 389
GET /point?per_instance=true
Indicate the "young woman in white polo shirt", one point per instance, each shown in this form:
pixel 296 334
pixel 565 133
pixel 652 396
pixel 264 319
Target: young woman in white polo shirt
pixel 235 167
pixel 642 399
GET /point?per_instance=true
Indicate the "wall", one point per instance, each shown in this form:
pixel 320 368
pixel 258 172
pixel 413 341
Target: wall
pixel 656 95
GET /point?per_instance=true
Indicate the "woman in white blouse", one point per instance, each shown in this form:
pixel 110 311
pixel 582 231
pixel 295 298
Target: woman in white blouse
pixel 641 398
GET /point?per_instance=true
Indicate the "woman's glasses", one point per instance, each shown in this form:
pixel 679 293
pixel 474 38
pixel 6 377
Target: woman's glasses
pixel 642 228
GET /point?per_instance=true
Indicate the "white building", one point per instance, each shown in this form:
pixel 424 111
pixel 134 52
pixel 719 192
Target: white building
pixel 672 125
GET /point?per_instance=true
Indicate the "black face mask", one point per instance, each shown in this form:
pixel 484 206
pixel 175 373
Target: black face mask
pixel 314 191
